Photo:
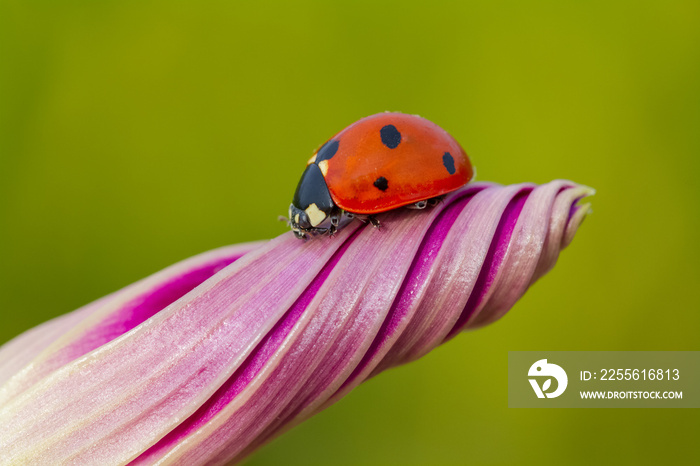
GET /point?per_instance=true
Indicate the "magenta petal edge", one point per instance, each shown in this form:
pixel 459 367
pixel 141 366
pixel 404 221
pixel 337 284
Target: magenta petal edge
pixel 211 358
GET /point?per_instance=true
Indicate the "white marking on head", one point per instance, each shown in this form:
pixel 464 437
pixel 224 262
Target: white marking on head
pixel 296 219
pixel 323 165
pixel 311 160
pixel 315 215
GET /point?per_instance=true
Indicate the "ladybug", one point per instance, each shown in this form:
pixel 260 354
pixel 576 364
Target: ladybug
pixel 376 164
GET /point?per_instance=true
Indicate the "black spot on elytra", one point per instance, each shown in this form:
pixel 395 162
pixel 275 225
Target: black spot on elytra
pixel 381 183
pixel 449 162
pixel 327 151
pixel 390 136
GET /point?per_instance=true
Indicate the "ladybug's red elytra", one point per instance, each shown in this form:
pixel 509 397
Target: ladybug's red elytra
pixel 376 164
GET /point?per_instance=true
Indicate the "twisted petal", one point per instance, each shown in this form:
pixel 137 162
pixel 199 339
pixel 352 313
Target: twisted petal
pixel 211 358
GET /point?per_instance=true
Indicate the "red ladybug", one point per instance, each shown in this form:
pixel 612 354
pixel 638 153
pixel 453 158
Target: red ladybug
pixel 378 163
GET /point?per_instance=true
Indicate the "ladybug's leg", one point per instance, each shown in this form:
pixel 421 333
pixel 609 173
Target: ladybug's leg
pixel 418 205
pixel 433 201
pixel 334 217
pixel 369 219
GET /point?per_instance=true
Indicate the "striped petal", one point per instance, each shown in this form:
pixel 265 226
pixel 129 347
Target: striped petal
pixel 211 358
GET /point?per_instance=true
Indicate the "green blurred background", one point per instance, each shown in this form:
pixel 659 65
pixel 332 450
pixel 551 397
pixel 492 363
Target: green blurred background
pixel 134 134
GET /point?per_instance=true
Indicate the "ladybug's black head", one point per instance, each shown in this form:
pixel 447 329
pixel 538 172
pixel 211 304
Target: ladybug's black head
pixel 312 204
